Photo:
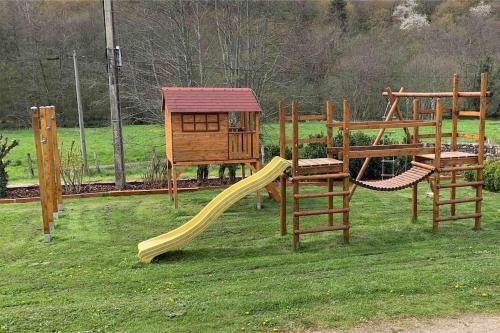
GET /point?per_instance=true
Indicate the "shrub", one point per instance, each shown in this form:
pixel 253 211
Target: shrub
pixel 155 175
pixel 5 148
pixel 491 175
pixel 72 169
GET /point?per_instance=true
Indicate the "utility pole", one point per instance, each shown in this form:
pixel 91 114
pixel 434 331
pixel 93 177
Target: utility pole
pixel 83 142
pixel 116 122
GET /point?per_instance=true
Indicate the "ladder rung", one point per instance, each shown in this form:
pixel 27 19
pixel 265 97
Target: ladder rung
pixel 455 201
pixel 322 229
pixel 317 177
pixel 469 113
pixel 451 185
pixel 321 212
pixel 462 168
pixel 458 217
pixel 321 194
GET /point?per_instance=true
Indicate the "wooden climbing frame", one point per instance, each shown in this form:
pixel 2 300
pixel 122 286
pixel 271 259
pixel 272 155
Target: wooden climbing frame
pixel 305 171
pixel 49 166
pixel 427 161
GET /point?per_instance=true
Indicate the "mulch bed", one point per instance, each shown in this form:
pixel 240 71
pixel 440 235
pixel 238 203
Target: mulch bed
pixel 98 187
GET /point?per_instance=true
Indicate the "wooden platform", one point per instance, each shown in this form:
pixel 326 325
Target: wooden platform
pixel 450 157
pixel 318 166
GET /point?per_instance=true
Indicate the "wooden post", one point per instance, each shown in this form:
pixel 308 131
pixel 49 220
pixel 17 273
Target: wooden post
pixel 174 184
pixel 257 196
pixel 454 133
pixel 83 142
pixel 57 161
pixel 116 121
pixel 329 145
pixel 35 116
pixel 414 197
pixel 256 154
pixel 480 154
pixel 281 114
pixel 437 166
pixel 48 163
pixel 295 163
pixel 345 168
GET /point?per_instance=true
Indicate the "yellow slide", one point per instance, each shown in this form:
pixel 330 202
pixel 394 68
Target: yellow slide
pixel 183 234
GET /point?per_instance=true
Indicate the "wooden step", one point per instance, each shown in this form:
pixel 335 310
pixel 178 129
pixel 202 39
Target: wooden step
pixel 462 168
pixel 318 177
pixel 321 229
pixel 458 217
pixel 451 185
pixel 321 212
pixel 456 201
pixel 321 194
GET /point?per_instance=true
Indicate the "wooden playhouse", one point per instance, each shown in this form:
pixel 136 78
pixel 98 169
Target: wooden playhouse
pixel 210 126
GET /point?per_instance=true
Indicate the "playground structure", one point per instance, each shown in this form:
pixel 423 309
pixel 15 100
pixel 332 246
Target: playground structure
pixel 49 166
pixel 333 170
pixel 427 161
pixel 211 126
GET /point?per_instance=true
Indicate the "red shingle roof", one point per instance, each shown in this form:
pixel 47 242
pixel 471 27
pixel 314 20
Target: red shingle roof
pixel 180 99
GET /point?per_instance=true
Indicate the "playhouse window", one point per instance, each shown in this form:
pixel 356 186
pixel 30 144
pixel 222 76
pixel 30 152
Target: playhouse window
pixel 200 122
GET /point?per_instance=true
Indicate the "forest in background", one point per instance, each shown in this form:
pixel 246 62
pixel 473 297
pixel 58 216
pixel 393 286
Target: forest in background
pixel 309 50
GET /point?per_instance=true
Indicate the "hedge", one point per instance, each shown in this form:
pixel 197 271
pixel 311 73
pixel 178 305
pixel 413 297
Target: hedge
pixel 491 175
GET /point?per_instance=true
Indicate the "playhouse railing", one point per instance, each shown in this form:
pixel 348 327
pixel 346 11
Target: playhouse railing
pixel 240 144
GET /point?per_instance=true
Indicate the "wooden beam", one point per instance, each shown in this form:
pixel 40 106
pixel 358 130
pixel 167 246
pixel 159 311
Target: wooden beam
pixel 469 114
pixel 391 152
pixel 438 94
pixel 308 117
pixel 321 194
pixel 362 125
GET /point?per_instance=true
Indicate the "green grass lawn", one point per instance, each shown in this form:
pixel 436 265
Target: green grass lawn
pixel 139 140
pixel 240 275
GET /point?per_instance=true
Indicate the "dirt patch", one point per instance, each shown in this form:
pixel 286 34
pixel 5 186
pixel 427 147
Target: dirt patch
pixel 464 323
pixel 33 191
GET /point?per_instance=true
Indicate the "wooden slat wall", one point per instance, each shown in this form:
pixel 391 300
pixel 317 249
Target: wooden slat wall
pixel 199 146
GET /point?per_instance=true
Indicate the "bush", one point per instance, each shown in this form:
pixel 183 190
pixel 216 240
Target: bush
pixel 5 148
pixel 72 169
pixel 155 175
pixel 491 175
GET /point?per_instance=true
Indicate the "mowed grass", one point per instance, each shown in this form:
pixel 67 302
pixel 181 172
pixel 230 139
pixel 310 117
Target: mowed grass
pixel 139 140
pixel 240 274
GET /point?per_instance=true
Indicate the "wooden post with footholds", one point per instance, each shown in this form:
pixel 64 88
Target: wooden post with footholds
pixel 454 130
pixel 345 169
pixel 329 145
pixel 57 161
pixel 480 154
pixel 281 113
pixel 48 163
pixel 437 166
pixel 295 162
pixel 414 197
pixel 46 215
pixel 51 151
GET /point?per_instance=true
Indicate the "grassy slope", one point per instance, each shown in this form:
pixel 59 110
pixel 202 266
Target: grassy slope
pixel 240 274
pixel 140 139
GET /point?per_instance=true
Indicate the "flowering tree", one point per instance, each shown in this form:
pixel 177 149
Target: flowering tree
pixel 407 14
pixel 481 10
